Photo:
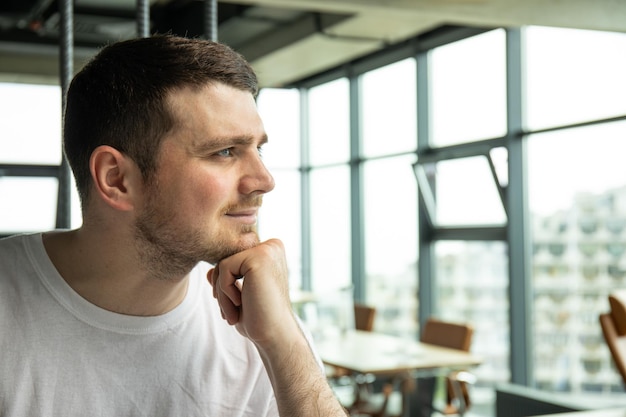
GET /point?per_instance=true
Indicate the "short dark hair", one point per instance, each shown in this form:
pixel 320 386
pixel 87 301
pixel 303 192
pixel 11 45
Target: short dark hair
pixel 120 97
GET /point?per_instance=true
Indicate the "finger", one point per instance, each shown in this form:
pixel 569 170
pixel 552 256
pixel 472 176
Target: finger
pixel 230 312
pixel 228 307
pixel 228 294
pixel 226 281
pixel 229 289
pixel 211 278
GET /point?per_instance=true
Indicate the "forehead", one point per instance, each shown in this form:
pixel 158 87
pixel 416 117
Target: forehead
pixel 215 110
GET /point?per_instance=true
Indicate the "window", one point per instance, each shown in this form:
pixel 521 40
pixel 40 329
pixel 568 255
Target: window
pixel 578 219
pixel 28 204
pixel 468 89
pixel 330 228
pixel 577 198
pixel 30 116
pixel 472 286
pixel 390 224
pixel 465 192
pixel 30 119
pixel 574 76
pixel 388 116
pixel 280 215
pixel 329 123
pixel 388 109
pixel 329 145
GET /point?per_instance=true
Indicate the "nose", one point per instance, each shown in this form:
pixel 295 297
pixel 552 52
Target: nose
pixel 257 178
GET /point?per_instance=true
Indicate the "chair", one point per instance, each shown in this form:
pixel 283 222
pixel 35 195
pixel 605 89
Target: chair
pixel 613 326
pixel 455 336
pixel 395 396
pixel 364 316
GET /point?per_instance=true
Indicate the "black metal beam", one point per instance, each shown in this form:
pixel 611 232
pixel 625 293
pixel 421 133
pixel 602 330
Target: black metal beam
pixel 14 170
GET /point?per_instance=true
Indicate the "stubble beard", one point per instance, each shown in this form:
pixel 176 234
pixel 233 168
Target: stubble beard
pixel 168 251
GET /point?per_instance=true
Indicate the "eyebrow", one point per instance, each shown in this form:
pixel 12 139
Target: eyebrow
pixel 213 144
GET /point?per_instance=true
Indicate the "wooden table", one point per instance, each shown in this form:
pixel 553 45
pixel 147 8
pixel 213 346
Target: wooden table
pixel 614 412
pixel 380 354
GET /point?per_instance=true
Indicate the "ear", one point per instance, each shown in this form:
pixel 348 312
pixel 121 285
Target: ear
pixel 114 176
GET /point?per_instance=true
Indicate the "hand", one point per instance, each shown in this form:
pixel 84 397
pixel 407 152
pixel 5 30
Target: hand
pixel 257 304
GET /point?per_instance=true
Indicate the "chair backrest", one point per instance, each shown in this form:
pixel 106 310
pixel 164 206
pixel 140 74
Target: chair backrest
pixel 451 335
pixel 447 334
pixel 364 316
pixel 613 326
pixel 617 301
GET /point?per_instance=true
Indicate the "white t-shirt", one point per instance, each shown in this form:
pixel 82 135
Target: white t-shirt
pixel 63 356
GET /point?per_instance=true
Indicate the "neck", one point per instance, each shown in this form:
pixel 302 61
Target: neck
pixel 110 275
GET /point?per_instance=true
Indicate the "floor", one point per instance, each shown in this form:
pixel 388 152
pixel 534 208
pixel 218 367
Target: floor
pixel 483 403
pixel 483 400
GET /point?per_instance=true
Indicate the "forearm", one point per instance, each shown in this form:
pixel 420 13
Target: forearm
pixel 262 312
pixel 300 387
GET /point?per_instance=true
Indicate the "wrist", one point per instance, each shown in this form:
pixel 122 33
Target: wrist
pixel 283 340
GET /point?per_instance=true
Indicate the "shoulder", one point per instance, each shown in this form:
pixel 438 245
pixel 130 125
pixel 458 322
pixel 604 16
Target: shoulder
pixel 13 243
pixel 15 254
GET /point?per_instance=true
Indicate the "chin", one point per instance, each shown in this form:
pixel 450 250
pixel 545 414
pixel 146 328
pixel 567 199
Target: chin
pixel 248 241
pixel 227 249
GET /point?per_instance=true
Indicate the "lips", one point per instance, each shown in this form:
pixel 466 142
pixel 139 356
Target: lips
pixel 247 216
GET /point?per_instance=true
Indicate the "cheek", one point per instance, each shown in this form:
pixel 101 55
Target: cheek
pixel 196 189
pixel 206 193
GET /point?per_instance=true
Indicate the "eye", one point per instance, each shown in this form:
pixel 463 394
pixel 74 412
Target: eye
pixel 259 149
pixel 224 152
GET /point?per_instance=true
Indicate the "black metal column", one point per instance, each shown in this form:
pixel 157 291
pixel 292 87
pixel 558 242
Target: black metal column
pixel 66 70
pixel 520 286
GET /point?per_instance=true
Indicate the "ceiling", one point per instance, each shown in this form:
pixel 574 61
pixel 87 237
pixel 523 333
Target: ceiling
pixel 285 40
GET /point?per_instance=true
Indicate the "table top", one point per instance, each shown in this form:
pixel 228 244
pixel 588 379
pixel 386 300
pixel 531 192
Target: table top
pixel 616 412
pixel 377 353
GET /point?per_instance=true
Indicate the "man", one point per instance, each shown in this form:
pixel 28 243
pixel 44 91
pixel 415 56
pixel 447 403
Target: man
pixel 118 317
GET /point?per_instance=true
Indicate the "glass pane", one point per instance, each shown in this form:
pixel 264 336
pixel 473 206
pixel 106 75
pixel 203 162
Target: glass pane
pixel 574 76
pixel 389 109
pixel 330 228
pixel 472 286
pixel 500 158
pixel 466 193
pixel 329 123
pixel 77 215
pixel 390 219
pixel 578 210
pixel 468 89
pixel 280 111
pixel 280 218
pixel 30 116
pixel 28 204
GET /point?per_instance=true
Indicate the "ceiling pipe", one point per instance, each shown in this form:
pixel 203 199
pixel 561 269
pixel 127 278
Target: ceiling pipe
pixel 143 18
pixel 66 71
pixel 210 19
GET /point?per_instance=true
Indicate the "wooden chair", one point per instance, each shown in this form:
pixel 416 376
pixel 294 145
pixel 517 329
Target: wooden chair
pixel 364 316
pixel 613 326
pixel 394 399
pixel 455 336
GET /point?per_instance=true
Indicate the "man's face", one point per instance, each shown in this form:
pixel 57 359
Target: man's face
pixel 204 200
